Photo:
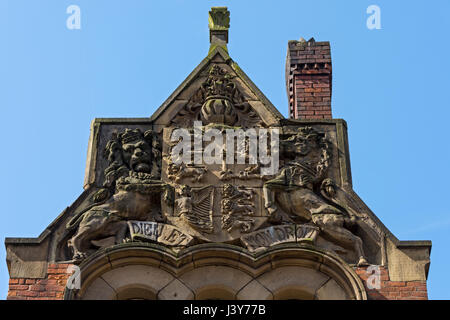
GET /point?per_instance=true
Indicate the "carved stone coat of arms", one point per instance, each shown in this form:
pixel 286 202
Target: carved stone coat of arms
pixel 219 167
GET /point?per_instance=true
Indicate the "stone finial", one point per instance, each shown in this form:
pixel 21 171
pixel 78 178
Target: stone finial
pixel 219 23
pixel 219 18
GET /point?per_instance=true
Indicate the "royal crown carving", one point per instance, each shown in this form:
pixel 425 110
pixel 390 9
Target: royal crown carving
pixel 218 101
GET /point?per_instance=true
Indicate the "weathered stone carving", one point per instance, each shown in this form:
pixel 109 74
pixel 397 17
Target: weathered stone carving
pixel 195 206
pixel 217 101
pixel 177 172
pixel 271 236
pixel 295 189
pixel 307 160
pixel 219 90
pixel 131 190
pixel 158 232
pixel 300 193
pixel 219 18
pixel 135 198
pixel 237 206
pixel 130 150
pixel 251 172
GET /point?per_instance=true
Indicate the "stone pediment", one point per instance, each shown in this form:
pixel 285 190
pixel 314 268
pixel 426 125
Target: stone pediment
pixel 183 106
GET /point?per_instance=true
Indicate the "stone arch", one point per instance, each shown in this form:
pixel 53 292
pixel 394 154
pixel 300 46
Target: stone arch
pixel 135 292
pixel 221 282
pixel 128 282
pixel 294 282
pixel 214 293
pixel 216 271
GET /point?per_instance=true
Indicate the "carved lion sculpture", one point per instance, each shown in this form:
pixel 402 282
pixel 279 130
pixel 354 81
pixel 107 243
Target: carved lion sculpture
pixel 130 150
pixel 294 189
pixel 133 200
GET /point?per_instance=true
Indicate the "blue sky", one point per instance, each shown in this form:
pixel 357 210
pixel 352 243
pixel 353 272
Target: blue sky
pixel 390 85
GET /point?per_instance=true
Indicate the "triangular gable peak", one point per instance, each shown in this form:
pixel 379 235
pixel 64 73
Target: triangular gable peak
pixel 217 75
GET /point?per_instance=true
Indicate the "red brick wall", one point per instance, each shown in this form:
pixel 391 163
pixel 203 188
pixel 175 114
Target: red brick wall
pixel 393 290
pixel 308 76
pixel 50 288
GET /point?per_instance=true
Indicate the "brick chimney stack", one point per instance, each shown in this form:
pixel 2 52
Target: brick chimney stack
pixel 308 79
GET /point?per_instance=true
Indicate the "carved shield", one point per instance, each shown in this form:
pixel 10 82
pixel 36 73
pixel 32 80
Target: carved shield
pixel 216 202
